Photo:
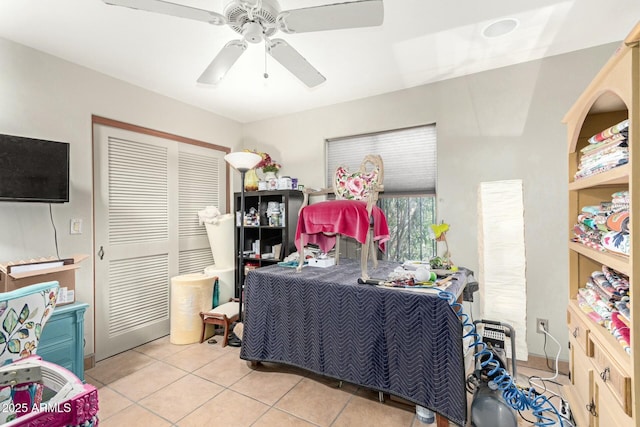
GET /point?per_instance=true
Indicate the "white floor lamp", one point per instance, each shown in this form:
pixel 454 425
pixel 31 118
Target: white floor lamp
pixel 242 161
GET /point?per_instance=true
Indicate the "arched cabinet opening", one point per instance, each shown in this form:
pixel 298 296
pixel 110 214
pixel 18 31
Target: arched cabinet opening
pixel 604 206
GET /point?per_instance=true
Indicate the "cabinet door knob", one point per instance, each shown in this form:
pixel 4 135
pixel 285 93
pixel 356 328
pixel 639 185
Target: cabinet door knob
pixel 591 407
pixel 575 332
pixel 101 252
pixel 605 375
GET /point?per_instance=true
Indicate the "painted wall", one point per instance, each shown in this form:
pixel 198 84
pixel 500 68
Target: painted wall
pixel 45 97
pixel 496 125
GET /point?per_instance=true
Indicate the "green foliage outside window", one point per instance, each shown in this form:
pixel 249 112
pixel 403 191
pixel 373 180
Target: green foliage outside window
pixel 409 218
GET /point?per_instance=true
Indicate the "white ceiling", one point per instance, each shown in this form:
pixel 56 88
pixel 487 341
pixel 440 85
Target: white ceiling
pixel 421 41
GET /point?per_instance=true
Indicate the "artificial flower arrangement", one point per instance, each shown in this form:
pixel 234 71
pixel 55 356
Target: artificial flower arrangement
pixel 438 232
pixel 266 164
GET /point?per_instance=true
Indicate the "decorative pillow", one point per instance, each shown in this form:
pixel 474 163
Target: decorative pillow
pixel 354 186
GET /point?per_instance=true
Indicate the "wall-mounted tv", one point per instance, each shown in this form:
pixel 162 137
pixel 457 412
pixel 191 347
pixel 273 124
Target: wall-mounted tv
pixel 33 170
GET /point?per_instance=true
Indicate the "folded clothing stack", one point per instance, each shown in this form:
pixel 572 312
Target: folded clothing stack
pixel 606 150
pixel 605 299
pixel 605 227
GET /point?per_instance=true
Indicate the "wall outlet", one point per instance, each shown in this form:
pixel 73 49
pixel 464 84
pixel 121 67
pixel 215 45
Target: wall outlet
pixel 542 325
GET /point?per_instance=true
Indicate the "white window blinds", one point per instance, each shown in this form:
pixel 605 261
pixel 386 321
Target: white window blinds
pixel 409 157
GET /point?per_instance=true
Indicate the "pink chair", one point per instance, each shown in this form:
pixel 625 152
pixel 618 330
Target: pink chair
pixel 353 213
pixel 34 392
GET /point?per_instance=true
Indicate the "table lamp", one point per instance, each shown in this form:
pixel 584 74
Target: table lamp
pixel 242 161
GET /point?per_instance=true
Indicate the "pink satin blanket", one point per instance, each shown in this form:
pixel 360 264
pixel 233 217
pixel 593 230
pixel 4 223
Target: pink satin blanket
pixel 346 217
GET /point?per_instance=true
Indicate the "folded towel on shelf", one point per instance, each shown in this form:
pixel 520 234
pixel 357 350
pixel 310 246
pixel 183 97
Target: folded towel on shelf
pixel 619 281
pixel 619 128
pixel 617 242
pixel 589 311
pixel 620 331
pixel 624 309
pixel 618 221
pixel 595 302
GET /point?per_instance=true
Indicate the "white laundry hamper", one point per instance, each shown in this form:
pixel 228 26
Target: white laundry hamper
pixel 190 295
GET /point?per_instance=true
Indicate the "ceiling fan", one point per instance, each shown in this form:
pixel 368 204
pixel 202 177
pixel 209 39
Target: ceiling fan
pixel 258 20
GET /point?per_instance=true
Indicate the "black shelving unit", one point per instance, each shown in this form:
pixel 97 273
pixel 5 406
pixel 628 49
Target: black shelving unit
pixel 268 234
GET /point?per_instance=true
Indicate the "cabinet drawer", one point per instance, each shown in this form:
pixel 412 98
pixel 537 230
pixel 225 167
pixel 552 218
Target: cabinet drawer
pixel 579 330
pixel 62 354
pixel 610 374
pixel 59 329
pixel 608 413
pixel 581 388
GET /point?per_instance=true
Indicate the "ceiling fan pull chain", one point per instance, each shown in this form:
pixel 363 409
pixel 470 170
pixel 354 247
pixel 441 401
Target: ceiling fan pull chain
pixel 266 48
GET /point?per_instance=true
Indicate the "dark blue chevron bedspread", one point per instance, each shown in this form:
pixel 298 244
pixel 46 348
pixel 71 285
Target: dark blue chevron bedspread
pixel 404 343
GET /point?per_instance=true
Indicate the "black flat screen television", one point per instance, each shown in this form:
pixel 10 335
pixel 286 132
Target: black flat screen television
pixel 33 170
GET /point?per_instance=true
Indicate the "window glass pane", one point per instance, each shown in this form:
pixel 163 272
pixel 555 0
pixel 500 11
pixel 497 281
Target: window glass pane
pixel 410 171
pixel 409 219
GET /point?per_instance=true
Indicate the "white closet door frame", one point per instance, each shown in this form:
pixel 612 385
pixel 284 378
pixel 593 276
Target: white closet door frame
pixel 120 268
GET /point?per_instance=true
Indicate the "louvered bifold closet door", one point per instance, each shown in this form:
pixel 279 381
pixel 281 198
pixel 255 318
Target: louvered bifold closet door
pixel 136 248
pixel 138 216
pixel 148 191
pixel 201 183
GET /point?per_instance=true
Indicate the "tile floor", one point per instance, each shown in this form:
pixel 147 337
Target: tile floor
pixel 160 384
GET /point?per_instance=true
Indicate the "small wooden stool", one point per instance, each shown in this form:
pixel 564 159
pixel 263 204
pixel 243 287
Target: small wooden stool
pixel 223 315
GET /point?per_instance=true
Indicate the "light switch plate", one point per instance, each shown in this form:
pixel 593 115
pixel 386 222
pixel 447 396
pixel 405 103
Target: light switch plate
pixel 76 226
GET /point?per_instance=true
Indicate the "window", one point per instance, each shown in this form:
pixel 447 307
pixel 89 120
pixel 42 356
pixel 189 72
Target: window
pixel 409 218
pixel 410 172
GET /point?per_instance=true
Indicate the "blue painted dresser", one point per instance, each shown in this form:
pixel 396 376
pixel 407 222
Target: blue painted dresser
pixel 62 340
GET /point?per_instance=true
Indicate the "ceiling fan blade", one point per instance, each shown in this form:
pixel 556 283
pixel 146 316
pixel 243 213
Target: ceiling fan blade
pixel 223 62
pixel 295 63
pixel 173 9
pixel 364 13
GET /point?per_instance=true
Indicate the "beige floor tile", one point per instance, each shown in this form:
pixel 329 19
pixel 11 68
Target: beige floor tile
pixel 226 409
pixel 195 356
pixel 181 397
pixel 161 348
pixel 94 382
pixel 111 403
pixel 119 366
pixel 361 412
pixel 225 390
pixel 277 418
pixel 314 401
pixel 225 370
pixel 266 386
pixel 135 416
pixel 147 380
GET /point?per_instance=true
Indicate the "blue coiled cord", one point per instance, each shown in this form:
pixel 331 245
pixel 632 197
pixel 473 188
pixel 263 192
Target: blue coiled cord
pixel 519 399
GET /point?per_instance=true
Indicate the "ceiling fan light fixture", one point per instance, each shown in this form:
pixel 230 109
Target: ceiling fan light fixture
pixel 500 28
pixel 253 32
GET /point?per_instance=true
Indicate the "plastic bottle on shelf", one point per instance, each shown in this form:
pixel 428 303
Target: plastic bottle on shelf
pixel 425 415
